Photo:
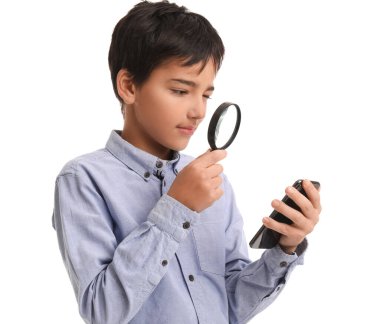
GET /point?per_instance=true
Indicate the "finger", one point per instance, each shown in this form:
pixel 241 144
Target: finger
pixel 294 215
pixel 281 228
pixel 218 193
pixel 300 200
pixel 216 182
pixel 288 232
pixel 312 193
pixel 214 170
pixel 211 157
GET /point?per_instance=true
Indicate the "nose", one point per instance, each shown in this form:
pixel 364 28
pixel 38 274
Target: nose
pixel 198 109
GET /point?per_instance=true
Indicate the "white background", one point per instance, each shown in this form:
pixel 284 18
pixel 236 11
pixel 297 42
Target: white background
pixel 306 75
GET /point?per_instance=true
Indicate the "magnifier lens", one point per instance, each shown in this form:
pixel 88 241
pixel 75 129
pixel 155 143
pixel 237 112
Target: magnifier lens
pixel 224 125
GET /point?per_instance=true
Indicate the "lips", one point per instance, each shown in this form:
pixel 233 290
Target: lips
pixel 187 129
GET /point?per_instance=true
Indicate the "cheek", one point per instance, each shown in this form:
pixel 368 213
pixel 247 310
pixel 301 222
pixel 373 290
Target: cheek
pixel 145 105
pixel 158 107
pixel 154 116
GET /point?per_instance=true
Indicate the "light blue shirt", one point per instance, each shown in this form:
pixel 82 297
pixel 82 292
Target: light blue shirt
pixel 136 255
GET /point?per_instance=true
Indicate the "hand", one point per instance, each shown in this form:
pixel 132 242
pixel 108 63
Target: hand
pixel 303 222
pixel 197 186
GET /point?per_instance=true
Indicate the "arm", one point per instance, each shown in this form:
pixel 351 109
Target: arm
pixel 113 279
pixel 251 287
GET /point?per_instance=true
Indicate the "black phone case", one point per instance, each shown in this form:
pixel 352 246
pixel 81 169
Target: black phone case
pixel 266 238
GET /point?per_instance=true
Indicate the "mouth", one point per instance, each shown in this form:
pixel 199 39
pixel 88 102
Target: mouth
pixel 187 130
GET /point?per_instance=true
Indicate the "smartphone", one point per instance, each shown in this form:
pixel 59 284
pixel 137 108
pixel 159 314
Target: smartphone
pixel 266 238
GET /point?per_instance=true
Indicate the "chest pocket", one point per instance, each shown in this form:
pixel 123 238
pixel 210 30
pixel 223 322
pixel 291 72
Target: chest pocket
pixel 210 244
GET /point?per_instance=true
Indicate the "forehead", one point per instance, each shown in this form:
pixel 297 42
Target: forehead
pixel 175 68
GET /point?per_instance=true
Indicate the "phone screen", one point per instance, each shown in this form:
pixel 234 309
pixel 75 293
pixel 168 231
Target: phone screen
pixel 266 238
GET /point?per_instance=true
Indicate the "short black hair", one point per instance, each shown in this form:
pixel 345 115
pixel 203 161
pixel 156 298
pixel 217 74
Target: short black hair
pixel 154 32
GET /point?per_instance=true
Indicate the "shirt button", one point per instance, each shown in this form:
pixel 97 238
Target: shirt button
pixel 147 174
pixel 186 225
pixel 164 263
pixel 283 264
pixel 191 278
pixel 159 164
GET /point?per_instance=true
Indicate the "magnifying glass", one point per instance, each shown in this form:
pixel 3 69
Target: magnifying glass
pixel 224 126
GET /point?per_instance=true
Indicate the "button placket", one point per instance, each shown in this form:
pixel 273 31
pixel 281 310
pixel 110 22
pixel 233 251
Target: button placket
pixel 159 171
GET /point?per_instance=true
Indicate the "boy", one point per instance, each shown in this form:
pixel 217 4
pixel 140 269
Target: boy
pixel 147 234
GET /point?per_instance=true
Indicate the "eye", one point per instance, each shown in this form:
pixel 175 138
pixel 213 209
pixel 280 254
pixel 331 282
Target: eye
pixel 207 97
pixel 179 92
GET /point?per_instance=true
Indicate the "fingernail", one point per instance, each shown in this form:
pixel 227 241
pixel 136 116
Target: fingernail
pixel 275 203
pixel 289 189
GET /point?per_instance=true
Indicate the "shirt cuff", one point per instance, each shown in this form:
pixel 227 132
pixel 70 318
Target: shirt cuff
pixel 172 217
pixel 301 248
pixel 279 262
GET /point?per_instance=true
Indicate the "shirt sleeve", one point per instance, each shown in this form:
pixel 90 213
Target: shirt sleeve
pixel 113 279
pixel 252 286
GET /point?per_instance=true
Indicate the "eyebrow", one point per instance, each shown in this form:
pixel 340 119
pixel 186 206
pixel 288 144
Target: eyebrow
pixel 191 83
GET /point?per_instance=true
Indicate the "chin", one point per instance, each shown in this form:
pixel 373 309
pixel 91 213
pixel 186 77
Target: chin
pixel 178 146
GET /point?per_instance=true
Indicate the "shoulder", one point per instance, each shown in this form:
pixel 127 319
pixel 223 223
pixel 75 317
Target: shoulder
pixel 86 163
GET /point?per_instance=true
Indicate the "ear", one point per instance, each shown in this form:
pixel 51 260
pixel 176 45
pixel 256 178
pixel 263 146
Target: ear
pixel 125 87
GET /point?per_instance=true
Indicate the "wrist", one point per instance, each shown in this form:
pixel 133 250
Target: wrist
pixel 288 249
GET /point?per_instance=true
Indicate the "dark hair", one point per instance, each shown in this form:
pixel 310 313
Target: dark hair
pixel 154 32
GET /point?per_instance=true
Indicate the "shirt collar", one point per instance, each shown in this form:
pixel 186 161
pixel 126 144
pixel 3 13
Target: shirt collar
pixel 143 163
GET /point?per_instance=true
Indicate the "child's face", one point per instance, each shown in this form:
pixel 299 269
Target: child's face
pixel 169 106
